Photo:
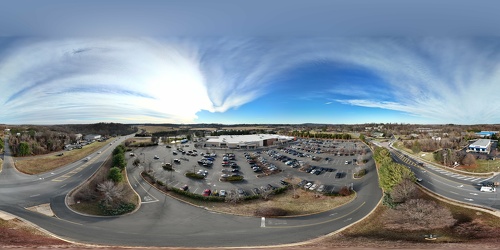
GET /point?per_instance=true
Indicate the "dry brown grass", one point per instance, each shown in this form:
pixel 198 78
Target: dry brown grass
pixel 156 128
pixel 42 164
pixel 136 141
pixel 16 233
pixel 306 203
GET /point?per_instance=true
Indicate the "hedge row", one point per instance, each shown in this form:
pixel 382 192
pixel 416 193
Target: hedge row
pixel 195 176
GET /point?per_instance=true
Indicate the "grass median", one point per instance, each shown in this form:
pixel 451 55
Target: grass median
pixel 41 164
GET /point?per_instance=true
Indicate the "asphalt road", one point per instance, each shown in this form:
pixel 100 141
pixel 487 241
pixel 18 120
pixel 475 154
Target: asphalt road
pixel 161 220
pixel 451 185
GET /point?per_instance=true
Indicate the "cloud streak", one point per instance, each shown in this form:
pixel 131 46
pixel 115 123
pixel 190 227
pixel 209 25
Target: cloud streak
pixel 171 80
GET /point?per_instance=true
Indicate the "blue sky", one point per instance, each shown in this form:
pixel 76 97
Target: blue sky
pixel 302 75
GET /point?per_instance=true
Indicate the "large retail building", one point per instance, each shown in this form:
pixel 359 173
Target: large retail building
pixel 247 141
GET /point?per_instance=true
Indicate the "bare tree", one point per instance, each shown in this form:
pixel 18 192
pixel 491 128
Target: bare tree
pixel 233 197
pixel 266 193
pixel 111 193
pixel 469 159
pixel 404 191
pixel 418 214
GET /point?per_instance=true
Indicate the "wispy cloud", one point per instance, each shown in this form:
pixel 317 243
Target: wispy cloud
pixel 171 80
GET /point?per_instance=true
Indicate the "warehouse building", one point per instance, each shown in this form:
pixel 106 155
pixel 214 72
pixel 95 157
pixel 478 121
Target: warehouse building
pixel 480 146
pixel 247 141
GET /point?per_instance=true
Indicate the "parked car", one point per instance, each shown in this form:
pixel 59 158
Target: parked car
pixel 222 193
pixel 185 187
pixel 156 157
pixel 314 186
pixel 308 185
pixel 207 192
pixel 338 175
pixel 321 188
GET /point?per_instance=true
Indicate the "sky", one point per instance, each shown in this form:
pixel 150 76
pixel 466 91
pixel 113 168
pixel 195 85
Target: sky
pixel 233 62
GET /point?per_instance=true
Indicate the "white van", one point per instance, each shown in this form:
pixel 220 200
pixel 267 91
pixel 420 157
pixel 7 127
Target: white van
pixel 487 189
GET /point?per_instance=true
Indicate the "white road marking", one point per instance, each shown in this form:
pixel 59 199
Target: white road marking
pixel 35 195
pixel 468 199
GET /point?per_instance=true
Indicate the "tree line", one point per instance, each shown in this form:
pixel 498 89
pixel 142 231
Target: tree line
pixel 36 140
pixel 308 134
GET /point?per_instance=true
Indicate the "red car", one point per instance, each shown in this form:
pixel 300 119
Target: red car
pixel 207 192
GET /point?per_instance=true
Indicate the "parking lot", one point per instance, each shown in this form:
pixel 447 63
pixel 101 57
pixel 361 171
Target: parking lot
pixel 327 165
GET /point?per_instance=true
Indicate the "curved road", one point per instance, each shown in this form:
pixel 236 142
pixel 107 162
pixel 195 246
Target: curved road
pixel 461 188
pixel 163 221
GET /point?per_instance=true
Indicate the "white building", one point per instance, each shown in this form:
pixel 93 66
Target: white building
pixel 480 146
pixel 246 141
pixel 91 137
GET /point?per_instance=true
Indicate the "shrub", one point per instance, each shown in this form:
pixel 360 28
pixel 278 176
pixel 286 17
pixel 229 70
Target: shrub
pixel 345 191
pixel 360 173
pixel 122 208
pixel 388 202
pixel 115 174
pixel 270 212
pixel 194 175
pixel 161 183
pixel 234 178
pixel 119 160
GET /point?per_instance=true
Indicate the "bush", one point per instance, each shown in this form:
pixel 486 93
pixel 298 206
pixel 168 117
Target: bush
pixel 360 173
pixel 345 191
pixel 161 183
pixel 270 212
pixel 115 174
pixel 195 175
pixel 122 208
pixel 388 202
pixel 196 196
pixel 119 160
pixel 234 178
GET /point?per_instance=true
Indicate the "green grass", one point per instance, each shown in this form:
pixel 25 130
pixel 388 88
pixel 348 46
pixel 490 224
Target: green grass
pixel 484 166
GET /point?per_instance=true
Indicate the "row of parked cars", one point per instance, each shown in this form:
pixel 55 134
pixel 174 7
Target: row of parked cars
pixel 308 185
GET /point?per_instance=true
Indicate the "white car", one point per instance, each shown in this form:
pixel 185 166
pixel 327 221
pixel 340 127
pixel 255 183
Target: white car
pixel 487 189
pixel 222 193
pixel 314 186
pixel 308 185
